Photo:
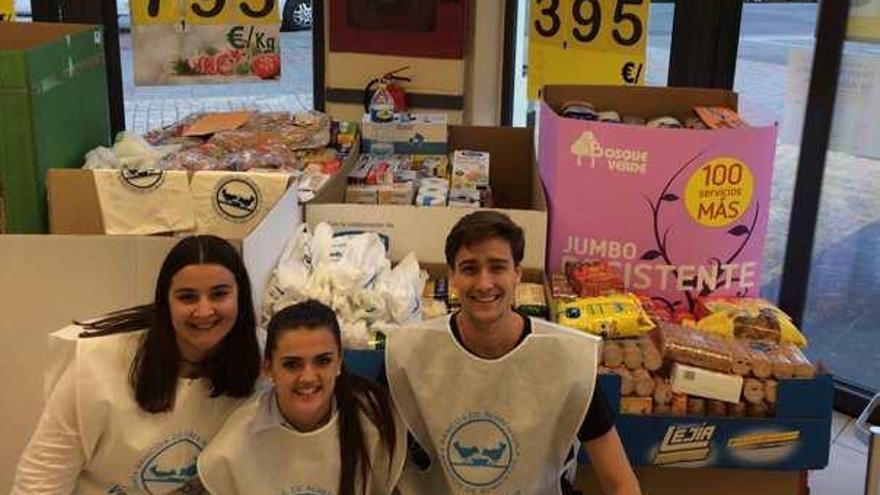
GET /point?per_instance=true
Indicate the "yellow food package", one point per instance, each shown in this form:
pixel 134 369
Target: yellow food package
pixel 613 316
pixel 753 318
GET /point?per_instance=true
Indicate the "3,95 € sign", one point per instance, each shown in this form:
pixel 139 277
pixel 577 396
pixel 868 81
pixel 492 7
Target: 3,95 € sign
pixel 205 41
pixel 586 42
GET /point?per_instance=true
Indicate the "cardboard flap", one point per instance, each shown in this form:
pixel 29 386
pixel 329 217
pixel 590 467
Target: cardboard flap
pixel 73 202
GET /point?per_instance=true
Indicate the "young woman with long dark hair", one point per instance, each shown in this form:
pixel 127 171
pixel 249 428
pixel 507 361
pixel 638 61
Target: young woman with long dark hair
pixel 149 386
pixel 319 429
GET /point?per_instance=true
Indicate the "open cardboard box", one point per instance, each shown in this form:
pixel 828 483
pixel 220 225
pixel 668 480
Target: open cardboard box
pixel 53 96
pixel 641 198
pixel 74 207
pixel 516 191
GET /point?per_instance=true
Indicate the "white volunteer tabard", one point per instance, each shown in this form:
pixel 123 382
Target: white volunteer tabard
pixel 205 41
pixel 127 450
pixel 254 453
pixel 491 426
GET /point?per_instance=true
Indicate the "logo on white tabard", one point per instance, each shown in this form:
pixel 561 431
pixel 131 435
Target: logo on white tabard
pixel 237 199
pixel 142 180
pixel 480 450
pixel 170 464
pixel 305 490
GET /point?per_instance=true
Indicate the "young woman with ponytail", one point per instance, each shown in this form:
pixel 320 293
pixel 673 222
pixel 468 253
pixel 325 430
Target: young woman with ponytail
pixel 318 429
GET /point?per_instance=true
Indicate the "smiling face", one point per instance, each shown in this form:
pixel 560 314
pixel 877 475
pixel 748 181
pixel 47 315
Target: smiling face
pixel 203 303
pixel 304 366
pixel 485 277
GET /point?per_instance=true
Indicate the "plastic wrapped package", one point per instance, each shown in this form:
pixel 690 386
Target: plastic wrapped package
pixel 594 278
pixel 297 131
pixel 753 391
pixel 643 383
pixel 652 359
pixel 803 368
pixel 632 355
pixel 206 156
pixel 744 317
pixel 742 363
pixel 690 346
pixel 662 391
pixel 612 353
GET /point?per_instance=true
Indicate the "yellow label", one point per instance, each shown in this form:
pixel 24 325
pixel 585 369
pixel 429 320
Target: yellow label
pixel 7 11
pixel 214 12
pixel 719 192
pixel 586 42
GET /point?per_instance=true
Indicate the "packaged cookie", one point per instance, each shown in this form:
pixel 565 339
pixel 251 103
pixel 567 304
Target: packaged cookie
pixel 652 360
pixel 627 386
pixel 689 346
pixel 594 278
pixel 753 391
pixel 802 366
pixel 643 384
pixel 742 363
pixel 632 355
pixel 662 391
pixel 612 353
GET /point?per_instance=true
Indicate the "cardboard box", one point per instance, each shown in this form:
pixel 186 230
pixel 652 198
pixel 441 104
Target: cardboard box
pixel 639 197
pixel 797 437
pixel 515 186
pixel 700 382
pixel 74 207
pixel 53 92
pixel 100 274
pixel 417 133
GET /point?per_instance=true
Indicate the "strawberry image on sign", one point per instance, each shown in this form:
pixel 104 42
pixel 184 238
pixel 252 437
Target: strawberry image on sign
pixel 266 65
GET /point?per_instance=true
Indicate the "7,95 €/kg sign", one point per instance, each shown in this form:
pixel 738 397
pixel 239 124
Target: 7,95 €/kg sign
pixel 586 42
pixel 205 41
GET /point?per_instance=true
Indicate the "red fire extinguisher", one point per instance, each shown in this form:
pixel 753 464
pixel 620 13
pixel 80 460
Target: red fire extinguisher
pixel 385 96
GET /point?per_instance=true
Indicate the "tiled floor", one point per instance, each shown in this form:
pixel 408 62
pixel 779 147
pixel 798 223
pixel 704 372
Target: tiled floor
pixel 847 464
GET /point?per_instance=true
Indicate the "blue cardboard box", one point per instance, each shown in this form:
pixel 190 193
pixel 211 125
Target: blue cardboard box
pixel 798 437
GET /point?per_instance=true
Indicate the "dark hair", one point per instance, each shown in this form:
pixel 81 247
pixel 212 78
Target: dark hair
pixel 353 394
pixel 232 368
pixel 481 225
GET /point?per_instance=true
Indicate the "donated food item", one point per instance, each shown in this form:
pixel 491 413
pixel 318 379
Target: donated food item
pixel 753 391
pixel 580 110
pixel 759 410
pixel 720 118
pixel 609 116
pixel 662 391
pixel 780 364
pixel 656 310
pixel 362 194
pixel 560 288
pixel 594 278
pixel 381 172
pixel 431 166
pixel 207 156
pixel 741 361
pixel 696 406
pixel 612 353
pixel 531 300
pixel 468 198
pixel 470 169
pixel 633 120
pixel 746 317
pixel 643 384
pixel 431 197
pixel 694 122
pixel 700 382
pixel 802 366
pixel 716 407
pixel 627 385
pixel 636 406
pixel 399 193
pixel 771 391
pixel 665 122
pixel 632 355
pixel 305 130
pixel 736 409
pixel 652 359
pixel 694 347
pixel 614 316
pixel 679 404
pixel 662 409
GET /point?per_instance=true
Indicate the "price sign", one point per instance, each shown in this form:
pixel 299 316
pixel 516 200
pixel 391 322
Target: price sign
pixel 205 41
pixel 205 11
pixel 7 11
pixel 586 42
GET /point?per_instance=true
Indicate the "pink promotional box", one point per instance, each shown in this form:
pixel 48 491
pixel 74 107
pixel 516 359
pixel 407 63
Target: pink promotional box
pixel 682 213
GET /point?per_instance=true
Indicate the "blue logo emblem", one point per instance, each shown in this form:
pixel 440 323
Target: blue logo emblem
pixel 169 466
pixel 480 450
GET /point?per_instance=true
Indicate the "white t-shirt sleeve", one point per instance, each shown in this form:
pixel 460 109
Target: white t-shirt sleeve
pixel 53 459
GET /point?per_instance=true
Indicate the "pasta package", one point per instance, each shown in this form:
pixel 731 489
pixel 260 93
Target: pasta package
pixel 614 316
